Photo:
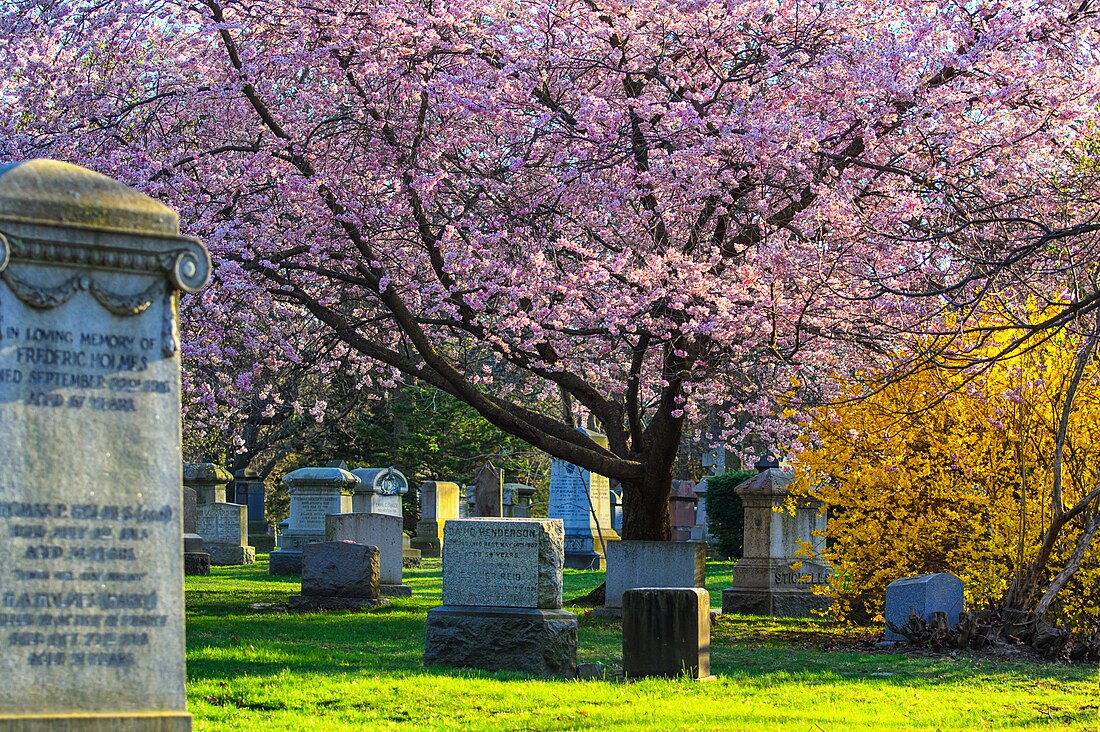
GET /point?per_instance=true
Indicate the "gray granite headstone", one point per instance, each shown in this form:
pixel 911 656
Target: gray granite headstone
pixel 91 573
pixel 666 632
pixel 921 596
pixel 503 562
pixel 773 577
pixel 379 491
pixel 502 581
pixel 224 531
pixel 338 575
pixel 314 494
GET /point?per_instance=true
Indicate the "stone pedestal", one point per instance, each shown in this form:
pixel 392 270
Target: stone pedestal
pixel 91 532
pixel 765 581
pixel 378 530
pixel 338 575
pixel 666 632
pixel 438 503
pixel 314 494
pixel 502 599
pixel 582 500
pixel 517 500
pixel 632 564
pixel 379 491
pixel 529 640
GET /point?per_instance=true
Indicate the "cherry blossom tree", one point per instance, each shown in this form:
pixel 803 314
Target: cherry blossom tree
pixel 630 214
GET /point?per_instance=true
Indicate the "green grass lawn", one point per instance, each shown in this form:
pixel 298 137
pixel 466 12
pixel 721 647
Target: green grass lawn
pixel 253 667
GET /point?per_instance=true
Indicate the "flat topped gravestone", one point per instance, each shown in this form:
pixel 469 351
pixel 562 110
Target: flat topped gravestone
pixel 502 599
pixel 503 563
pixel 91 572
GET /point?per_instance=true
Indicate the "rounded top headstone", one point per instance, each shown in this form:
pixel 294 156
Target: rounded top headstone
pixel 205 473
pixel 53 192
pixel 320 477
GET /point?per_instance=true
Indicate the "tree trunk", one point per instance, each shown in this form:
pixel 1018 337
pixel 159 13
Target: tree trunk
pixel 645 506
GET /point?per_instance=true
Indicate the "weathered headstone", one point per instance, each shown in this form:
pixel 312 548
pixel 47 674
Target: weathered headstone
pixel 224 530
pixel 772 578
pixel 374 529
pixel 195 558
pixel 223 526
pixel 91 574
pixel 248 490
pixel 438 504
pixel 338 575
pixel 502 584
pixel 666 632
pixel 517 500
pixel 921 596
pixel 582 500
pixel 314 494
pixel 700 532
pixel 488 492
pixel 681 509
pixel 633 564
pixel 379 491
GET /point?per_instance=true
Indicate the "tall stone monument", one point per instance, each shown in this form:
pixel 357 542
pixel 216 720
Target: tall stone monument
pixel 438 503
pixel 91 567
pixel 314 494
pixel 772 578
pixel 582 500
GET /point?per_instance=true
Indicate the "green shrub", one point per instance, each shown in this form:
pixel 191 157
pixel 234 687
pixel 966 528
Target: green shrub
pixel 725 514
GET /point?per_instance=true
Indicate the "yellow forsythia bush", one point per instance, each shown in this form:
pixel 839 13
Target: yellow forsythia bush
pixel 948 472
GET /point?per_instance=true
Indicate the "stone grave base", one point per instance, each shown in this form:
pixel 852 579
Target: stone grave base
pixel 541 642
pixel 775 603
pixel 196 563
pixel 410 558
pixel 107 722
pixel 329 602
pixel 427 540
pixel 262 542
pixel 285 561
pixel 396 590
pixel 584 560
pixel 229 555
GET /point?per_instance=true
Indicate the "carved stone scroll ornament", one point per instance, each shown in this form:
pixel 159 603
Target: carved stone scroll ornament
pixel 187 269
